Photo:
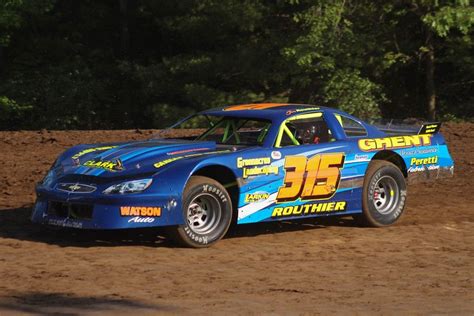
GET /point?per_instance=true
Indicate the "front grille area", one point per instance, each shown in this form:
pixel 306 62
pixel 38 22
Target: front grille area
pixel 70 210
pixel 75 187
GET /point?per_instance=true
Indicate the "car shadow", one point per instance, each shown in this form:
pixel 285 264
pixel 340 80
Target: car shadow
pixel 283 226
pixel 15 223
pixel 39 303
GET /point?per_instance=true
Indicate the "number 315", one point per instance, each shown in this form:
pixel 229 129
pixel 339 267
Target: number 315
pixel 314 178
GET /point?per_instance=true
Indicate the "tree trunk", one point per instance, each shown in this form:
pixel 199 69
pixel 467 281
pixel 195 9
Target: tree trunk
pixel 430 84
pixel 1 60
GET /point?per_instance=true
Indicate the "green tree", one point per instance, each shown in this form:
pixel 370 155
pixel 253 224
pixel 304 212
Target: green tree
pixel 432 21
pixel 146 63
pixel 12 16
pixel 328 57
pixel 440 17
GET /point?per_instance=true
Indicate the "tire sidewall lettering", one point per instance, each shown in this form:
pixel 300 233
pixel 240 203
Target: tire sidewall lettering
pixel 204 240
pixel 209 188
pixel 224 200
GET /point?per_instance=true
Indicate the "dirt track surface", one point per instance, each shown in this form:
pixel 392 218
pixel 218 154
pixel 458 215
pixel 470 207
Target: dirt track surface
pixel 424 264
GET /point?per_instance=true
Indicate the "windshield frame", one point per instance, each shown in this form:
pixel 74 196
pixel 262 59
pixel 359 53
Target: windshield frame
pixel 212 126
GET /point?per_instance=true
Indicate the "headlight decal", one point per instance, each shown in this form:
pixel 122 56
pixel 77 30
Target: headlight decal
pixel 128 187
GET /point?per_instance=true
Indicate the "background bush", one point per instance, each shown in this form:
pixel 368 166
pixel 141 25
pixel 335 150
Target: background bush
pixel 146 63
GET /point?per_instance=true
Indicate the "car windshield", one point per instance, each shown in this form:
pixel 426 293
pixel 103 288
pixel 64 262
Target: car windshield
pixel 223 130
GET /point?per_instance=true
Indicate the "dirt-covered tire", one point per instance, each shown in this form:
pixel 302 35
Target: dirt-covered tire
pixel 207 213
pixel 383 195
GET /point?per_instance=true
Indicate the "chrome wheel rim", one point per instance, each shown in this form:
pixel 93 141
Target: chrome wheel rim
pixel 204 213
pixel 386 195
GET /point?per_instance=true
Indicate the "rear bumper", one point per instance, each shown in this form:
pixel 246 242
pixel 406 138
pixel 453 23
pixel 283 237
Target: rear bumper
pixel 85 211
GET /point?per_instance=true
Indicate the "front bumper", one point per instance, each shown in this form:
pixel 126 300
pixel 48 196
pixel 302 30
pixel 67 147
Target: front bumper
pixel 101 211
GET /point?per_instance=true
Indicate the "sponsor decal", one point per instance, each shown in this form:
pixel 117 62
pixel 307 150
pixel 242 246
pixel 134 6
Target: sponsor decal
pixel 257 171
pixel 109 165
pixel 361 157
pixel 91 150
pixel 418 151
pixel 65 223
pixel 166 161
pixel 276 154
pixel 430 128
pixel 309 209
pixel 311 179
pixel 395 142
pixel 138 219
pixel 422 164
pixel 170 160
pixel 256 166
pixel 241 162
pixel 289 112
pixel 422 168
pixel 424 161
pixel 185 151
pixel 145 211
pixel 256 197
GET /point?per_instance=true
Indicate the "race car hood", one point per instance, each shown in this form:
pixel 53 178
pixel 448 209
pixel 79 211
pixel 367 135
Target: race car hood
pixel 129 159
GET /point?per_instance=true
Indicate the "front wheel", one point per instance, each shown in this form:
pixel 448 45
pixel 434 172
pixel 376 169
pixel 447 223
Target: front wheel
pixel 207 212
pixel 383 195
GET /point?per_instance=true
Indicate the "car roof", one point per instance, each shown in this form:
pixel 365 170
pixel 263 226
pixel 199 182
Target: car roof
pixel 279 112
pixel 271 111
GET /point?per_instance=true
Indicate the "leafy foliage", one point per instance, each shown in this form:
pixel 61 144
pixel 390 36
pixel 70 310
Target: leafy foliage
pixel 13 113
pixel 146 63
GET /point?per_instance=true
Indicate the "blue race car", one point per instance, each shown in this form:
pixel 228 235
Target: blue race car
pixel 245 163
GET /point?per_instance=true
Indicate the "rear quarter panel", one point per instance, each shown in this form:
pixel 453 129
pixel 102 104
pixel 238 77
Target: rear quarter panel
pixel 426 156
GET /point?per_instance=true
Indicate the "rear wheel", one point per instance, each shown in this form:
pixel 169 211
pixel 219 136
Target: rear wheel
pixel 383 195
pixel 207 212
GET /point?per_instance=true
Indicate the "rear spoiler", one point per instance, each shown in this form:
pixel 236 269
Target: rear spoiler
pixel 430 128
pixel 406 127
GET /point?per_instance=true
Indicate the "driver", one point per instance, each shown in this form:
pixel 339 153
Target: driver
pixel 313 133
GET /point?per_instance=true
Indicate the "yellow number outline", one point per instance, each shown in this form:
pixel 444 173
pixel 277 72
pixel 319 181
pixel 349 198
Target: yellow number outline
pixel 315 178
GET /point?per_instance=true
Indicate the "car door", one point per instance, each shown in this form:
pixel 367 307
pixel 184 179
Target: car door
pixel 356 161
pixel 310 182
